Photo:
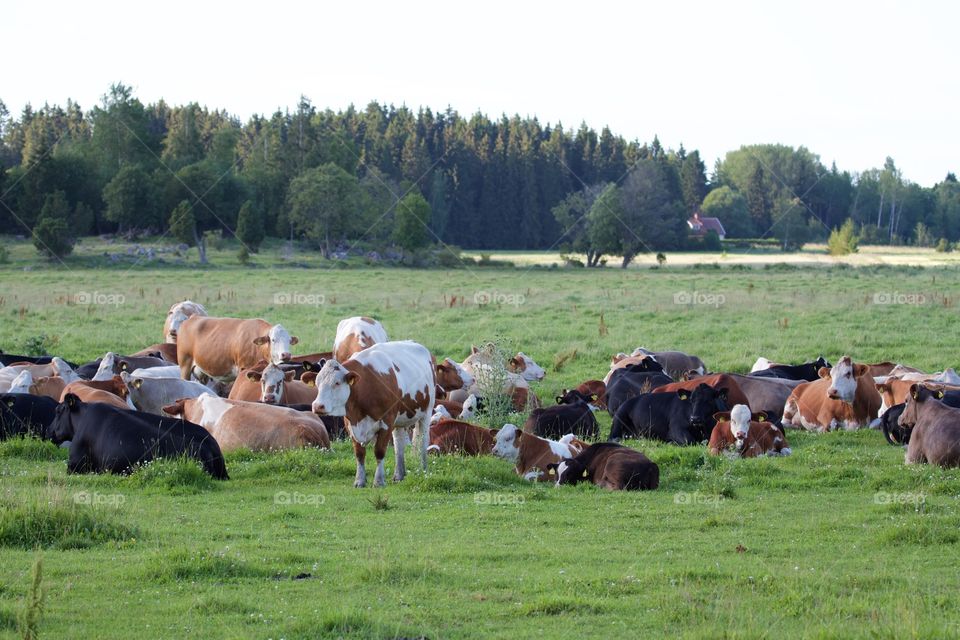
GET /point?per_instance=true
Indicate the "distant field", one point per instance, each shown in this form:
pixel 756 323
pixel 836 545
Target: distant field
pixel 840 540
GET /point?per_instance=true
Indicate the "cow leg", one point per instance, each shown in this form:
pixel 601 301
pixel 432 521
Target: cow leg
pixel 186 367
pixel 421 434
pixel 789 411
pixel 77 463
pixel 360 452
pixel 380 451
pixel 399 446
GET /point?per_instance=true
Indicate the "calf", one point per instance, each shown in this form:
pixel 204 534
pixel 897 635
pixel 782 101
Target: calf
pixel 356 334
pixel 388 386
pixel 453 436
pixel 271 385
pixel 221 347
pixel 259 427
pixel 22 414
pixel 104 438
pixel 531 454
pixel 176 315
pixel 153 394
pixel 112 392
pixel 746 435
pixel 806 371
pixel 845 397
pixel 935 436
pixel 573 414
pixel 683 417
pixel 608 465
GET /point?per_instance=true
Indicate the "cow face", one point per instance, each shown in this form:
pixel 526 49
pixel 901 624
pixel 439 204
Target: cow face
pixel 507 445
pixel 526 367
pixel 471 407
pixel 740 424
pixel 21 384
pixel 334 384
pixel 573 397
pixel 918 395
pixel 61 429
pixel 280 342
pixel 271 382
pixel 177 316
pixel 703 402
pixel 568 471
pixel 843 379
pixel 448 375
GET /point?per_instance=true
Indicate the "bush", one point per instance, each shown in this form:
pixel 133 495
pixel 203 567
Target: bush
pixel 843 241
pixel 52 237
pixel 943 246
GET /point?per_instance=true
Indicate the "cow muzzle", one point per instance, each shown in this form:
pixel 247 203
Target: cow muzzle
pixel 319 409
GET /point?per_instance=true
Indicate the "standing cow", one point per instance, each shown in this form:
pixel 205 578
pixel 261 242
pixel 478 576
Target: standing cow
pixel 221 347
pixel 176 315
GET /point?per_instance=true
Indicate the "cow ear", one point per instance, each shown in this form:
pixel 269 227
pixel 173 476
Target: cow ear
pixel 915 391
pixel 350 378
pixel 823 372
pixel 10 403
pixel 307 366
pixel 939 394
pixel 473 349
pixel 72 400
pixel 309 378
pixel 288 376
pixel 552 469
pixel 722 416
pixel 294 340
pixel 760 416
pixel 882 387
pixel 722 393
pixel 559 399
pixel 860 370
pixel 253 376
pixel 261 340
pixel 124 365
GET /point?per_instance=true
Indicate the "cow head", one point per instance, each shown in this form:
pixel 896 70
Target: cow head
pixel 507 445
pixel 892 431
pixel 21 384
pixel 820 363
pixel 280 341
pixel 526 367
pixel 439 413
pixel 919 394
pixel 61 428
pixel 568 471
pixel 573 396
pixel 843 379
pixel 334 383
pixel 448 376
pixel 471 407
pixel 64 370
pixel 271 380
pixel 178 409
pixel 739 419
pixel 177 316
pixel 702 403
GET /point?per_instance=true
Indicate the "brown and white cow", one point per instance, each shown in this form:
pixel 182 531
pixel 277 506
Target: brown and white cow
pixel 845 397
pixel 746 435
pixel 112 392
pixel 594 388
pixel 235 424
pixel 385 388
pixel 153 394
pixel 526 367
pixel 176 315
pixel 531 454
pixel 454 436
pixel 221 347
pixel 491 376
pixel 935 436
pixel 56 367
pixel 272 385
pixel 356 334
pixel 610 466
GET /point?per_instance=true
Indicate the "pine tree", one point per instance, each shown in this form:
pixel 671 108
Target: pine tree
pixel 250 230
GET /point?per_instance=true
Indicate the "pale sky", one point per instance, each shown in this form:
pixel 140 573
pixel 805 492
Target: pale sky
pixel 852 81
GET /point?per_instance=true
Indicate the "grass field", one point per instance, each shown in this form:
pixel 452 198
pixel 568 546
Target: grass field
pixel 839 540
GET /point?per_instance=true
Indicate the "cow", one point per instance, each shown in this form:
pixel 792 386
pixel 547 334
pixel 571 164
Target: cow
pixel 683 417
pixel 49 386
pixel 131 363
pixel 451 376
pixel 674 363
pixel 383 388
pixel 104 438
pixel 594 388
pixel 894 432
pixel 491 376
pixel 608 465
pixel 56 367
pixel 22 414
pixel 632 381
pixel 715 380
pixel 572 414
pixel 112 392
pixel 463 410
pixel 222 347
pixel 746 434
pixel 531 454
pixel 454 436
pixel 896 391
pixel 935 435
pixel 20 384
pixel 525 366
pixel 845 397
pixel 336 426
pixel 271 385
pixel 356 334
pixel 259 427
pixel 806 371
pixel 165 350
pixel 151 395
pixel 623 361
pixel 766 394
pixel 176 315
pixel 7 359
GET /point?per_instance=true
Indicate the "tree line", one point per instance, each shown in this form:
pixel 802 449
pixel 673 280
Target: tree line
pixel 389 175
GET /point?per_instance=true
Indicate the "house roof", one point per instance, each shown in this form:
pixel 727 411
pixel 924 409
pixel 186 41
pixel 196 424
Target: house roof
pixel 701 225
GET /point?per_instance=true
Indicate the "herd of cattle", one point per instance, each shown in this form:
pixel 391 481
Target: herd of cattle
pixel 220 384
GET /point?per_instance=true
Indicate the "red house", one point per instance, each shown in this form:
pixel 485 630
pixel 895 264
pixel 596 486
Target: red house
pixel 700 226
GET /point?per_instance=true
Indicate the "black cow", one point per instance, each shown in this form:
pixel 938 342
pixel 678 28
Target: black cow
pixel 302 367
pixel 104 438
pixel 897 434
pixel 6 359
pixel 573 414
pixel 807 371
pixel 336 427
pixel 631 381
pixel 22 414
pixel 608 465
pixel 88 369
pixel 683 417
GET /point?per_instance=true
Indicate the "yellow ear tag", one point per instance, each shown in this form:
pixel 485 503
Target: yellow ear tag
pixel 552 472
pixel 351 381
pixel 761 418
pixel 593 397
pixel 683 396
pixel 585 473
pixel 939 394
pixel 123 366
pixel 10 403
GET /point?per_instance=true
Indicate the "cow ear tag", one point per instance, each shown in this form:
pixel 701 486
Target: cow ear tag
pixel 351 381
pixel 761 418
pixel 552 472
pixel 593 397
pixel 584 473
pixel 940 393
pixel 683 396
pixel 10 403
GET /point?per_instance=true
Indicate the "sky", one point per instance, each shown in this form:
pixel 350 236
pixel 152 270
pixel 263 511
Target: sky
pixel 854 82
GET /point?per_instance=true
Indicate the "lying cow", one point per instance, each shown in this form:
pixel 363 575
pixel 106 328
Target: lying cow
pixel 454 436
pixel 716 380
pixel 49 386
pixel 525 366
pixel 7 359
pixel 56 367
pixel 594 388
pixel 112 392
pixel 165 350
pixel 674 363
pixel 746 435
pixel 572 414
pixel 259 427
pixel 935 435
pixel 176 315
pixel 222 347
pixel 153 394
pixel 107 439
pixel 356 334
pixel 632 381
pixel 532 454
pixel 807 371
pixel 388 386
pixel 608 465
pixel 22 414
pixel 896 391
pixel 683 417
pixel 271 385
pixel 844 397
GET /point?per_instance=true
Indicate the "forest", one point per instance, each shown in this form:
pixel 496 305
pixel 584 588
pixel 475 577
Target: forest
pixel 387 176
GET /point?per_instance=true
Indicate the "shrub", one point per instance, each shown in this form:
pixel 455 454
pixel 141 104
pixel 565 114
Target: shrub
pixel 843 241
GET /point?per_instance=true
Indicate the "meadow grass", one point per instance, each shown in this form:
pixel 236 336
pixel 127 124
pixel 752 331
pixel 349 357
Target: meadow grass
pixel 839 540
